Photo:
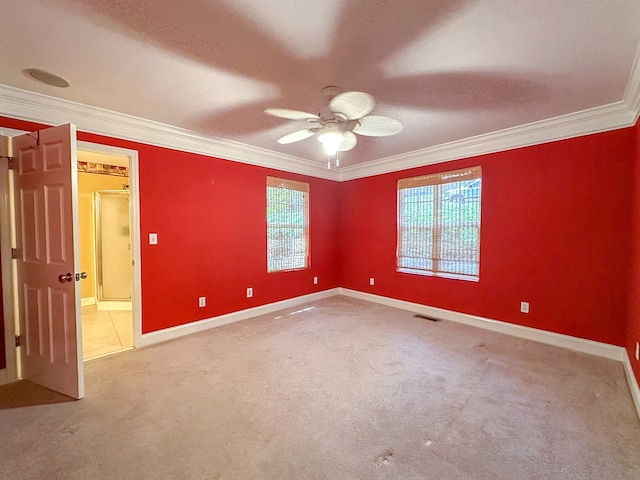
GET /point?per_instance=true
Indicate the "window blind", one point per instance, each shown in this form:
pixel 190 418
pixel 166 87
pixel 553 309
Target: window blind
pixel 287 224
pixel 439 224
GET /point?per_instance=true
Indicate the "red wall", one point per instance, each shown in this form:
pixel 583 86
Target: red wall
pixel 633 320
pixel 210 217
pixel 555 232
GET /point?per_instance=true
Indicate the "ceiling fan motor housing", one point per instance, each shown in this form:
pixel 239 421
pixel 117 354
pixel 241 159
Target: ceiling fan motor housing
pixel 327 115
pixel 346 114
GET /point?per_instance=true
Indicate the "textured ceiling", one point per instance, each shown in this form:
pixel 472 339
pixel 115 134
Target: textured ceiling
pixel 447 69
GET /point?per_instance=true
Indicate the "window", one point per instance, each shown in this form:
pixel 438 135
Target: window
pixel 287 225
pixel 439 224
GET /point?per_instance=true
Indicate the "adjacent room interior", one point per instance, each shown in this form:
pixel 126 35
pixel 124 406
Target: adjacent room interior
pixel 105 250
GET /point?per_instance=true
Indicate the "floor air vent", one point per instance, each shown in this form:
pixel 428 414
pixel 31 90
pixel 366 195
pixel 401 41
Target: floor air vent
pixel 418 315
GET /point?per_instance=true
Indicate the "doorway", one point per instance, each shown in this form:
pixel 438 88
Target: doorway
pixel 13 369
pixel 105 253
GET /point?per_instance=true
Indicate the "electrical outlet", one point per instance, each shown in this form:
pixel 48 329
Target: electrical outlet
pixel 372 281
pixel 202 302
pixel 524 307
pixel 153 239
pixel 249 292
pixel 315 280
pixel 637 351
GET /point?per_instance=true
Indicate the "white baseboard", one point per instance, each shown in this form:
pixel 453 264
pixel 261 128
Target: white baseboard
pixel 8 375
pixel 550 338
pixel 631 380
pixel 114 305
pixel 213 322
pixel 5 377
pixel 86 301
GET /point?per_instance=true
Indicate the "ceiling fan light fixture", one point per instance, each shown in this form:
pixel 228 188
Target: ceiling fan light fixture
pixel 337 124
pixel 331 138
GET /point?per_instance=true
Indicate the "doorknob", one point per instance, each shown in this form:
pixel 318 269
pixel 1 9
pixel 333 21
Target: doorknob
pixel 65 278
pixel 81 275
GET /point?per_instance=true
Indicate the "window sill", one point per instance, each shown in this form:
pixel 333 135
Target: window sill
pixel 288 270
pixel 425 273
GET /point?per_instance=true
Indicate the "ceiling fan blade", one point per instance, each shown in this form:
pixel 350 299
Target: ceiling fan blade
pixel 377 126
pixel 350 141
pixel 352 104
pixel 297 136
pixel 290 114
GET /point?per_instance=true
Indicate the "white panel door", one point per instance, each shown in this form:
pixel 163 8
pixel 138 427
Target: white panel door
pixel 46 191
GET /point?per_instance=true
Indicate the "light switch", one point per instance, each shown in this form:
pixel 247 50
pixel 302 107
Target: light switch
pixel 153 239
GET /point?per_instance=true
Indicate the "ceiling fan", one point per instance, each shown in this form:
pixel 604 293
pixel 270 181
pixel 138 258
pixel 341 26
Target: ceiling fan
pixel 337 124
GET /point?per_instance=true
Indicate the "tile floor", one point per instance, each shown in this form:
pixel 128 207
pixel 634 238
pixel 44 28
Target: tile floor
pixel 105 331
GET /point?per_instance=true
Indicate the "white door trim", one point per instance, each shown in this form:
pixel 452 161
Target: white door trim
pixel 10 373
pixel 7 240
pixel 134 196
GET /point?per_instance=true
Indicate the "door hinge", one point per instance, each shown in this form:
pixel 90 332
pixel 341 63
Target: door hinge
pixel 14 254
pixel 18 342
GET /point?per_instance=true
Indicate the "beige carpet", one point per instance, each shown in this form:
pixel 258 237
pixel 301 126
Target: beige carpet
pixel 342 390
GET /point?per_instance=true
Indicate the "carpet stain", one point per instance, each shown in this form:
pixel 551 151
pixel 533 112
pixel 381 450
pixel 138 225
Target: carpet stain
pixel 386 457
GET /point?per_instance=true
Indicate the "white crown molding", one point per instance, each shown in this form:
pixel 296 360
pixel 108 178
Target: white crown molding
pixel 35 107
pixel 594 120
